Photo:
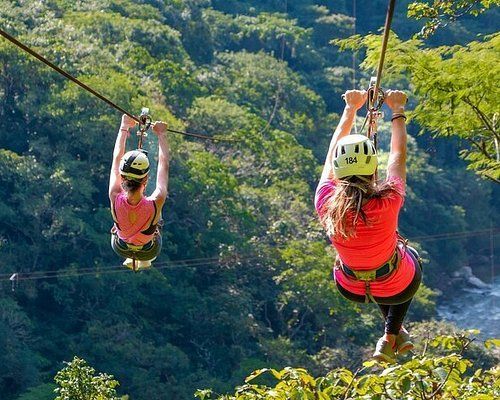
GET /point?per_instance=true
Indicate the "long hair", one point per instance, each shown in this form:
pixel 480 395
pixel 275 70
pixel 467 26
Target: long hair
pixel 342 210
pixel 132 185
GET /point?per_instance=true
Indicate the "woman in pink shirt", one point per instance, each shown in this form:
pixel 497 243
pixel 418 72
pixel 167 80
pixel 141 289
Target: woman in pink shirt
pixel 135 234
pixel 360 215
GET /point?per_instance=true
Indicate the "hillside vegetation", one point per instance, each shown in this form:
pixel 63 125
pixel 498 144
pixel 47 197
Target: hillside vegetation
pixel 266 75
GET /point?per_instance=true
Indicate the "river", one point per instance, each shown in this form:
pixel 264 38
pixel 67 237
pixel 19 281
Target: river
pixel 475 309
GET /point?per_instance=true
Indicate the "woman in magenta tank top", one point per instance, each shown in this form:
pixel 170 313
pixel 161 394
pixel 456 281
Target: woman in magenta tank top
pixel 135 234
pixel 360 215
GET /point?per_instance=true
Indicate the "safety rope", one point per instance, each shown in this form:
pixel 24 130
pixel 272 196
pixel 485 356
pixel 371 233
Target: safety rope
pixel 86 87
pixel 375 93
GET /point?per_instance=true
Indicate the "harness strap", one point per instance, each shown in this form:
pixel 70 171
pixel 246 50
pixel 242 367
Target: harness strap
pixel 152 227
pixel 149 231
pixel 402 240
pixel 368 293
pixel 371 275
pixel 113 215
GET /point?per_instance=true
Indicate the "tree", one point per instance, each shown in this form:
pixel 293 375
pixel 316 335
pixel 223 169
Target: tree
pixel 79 381
pixel 441 12
pixel 456 91
pixel 44 391
pixel 422 377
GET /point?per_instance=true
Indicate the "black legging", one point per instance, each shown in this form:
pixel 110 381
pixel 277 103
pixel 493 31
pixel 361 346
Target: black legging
pixel 393 308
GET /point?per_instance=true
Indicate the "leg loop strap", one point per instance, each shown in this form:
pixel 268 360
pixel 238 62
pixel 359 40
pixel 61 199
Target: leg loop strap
pixel 368 296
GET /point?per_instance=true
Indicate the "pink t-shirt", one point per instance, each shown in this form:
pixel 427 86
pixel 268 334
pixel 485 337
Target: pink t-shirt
pixel 374 243
pixel 131 220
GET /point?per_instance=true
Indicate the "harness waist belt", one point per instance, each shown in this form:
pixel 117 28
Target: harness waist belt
pixel 372 274
pixel 127 246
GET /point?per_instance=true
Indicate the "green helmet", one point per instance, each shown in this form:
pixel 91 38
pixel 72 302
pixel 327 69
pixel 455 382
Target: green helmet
pixel 354 155
pixel 134 165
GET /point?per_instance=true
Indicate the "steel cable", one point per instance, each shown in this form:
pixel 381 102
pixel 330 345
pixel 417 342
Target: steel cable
pixel 86 87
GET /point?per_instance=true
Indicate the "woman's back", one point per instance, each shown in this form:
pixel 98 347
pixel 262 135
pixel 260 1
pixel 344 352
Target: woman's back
pixel 375 241
pixel 133 221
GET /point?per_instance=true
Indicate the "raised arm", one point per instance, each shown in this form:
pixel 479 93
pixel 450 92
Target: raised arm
pixel 396 100
pixel 354 100
pixel 161 191
pixel 118 152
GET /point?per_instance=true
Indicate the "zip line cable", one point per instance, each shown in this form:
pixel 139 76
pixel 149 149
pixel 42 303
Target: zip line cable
pixel 86 87
pixel 194 263
pixel 385 40
pixel 375 95
pixel 457 235
pixel 354 60
pixel 55 271
pixel 204 261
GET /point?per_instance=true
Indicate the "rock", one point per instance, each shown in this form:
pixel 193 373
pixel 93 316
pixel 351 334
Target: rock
pixel 470 279
pixel 476 282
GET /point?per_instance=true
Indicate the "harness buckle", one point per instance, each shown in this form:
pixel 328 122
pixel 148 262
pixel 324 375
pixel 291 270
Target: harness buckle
pixel 366 276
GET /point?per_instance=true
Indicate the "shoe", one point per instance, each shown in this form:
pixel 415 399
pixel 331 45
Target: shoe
pixel 143 264
pixel 129 263
pixel 403 342
pixel 384 351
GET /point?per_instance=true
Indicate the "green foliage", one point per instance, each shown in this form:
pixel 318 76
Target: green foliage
pixel 455 88
pixel 262 295
pixel 288 104
pixel 79 381
pixel 440 13
pixel 18 363
pixel 421 377
pixel 41 392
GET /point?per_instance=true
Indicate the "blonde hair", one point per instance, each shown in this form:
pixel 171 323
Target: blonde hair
pixel 341 211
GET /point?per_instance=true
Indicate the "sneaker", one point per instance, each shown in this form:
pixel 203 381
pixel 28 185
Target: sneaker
pixel 403 342
pixel 143 264
pixel 384 351
pixel 129 263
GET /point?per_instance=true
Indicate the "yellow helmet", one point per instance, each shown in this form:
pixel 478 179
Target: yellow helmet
pixel 354 155
pixel 134 165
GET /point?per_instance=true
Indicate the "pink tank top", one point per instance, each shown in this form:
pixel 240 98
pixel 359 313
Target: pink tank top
pixel 374 243
pixel 132 220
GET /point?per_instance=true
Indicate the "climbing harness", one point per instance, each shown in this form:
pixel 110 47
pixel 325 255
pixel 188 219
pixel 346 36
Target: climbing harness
pixel 97 94
pixel 377 274
pixel 148 251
